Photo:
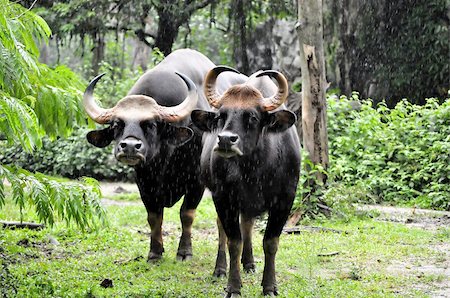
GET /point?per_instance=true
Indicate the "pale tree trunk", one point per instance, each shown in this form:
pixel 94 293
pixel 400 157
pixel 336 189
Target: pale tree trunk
pixel 314 85
pixel 141 55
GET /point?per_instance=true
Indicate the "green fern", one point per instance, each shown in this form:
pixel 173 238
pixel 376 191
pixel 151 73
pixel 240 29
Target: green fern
pixel 36 100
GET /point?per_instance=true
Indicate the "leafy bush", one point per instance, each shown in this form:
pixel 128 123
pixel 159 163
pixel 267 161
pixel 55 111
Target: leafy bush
pixel 72 158
pixel 402 154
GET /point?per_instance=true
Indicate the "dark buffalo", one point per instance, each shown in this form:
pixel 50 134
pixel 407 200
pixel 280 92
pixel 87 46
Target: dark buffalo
pixel 251 164
pixel 153 134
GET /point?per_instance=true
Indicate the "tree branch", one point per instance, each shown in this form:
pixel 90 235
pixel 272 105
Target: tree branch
pixel 22 225
pixel 141 35
pixel 192 7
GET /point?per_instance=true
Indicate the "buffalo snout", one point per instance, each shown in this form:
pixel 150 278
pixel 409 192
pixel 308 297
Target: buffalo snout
pixel 227 139
pixel 130 151
pixel 227 145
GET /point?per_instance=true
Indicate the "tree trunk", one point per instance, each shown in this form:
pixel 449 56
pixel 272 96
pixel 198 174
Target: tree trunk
pixel 98 52
pixel 167 32
pixel 142 50
pixel 314 85
pixel 344 51
pixel 241 32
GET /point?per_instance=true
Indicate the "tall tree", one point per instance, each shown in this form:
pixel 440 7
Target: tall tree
pixel 96 20
pixel 314 85
pixel 172 14
pixel 36 100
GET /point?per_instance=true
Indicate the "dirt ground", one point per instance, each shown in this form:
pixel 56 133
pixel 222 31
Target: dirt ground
pixel 411 217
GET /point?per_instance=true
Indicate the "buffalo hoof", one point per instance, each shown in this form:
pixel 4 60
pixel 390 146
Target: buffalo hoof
pixel 219 272
pixel 154 257
pixel 185 257
pixel 270 291
pixel 232 295
pixel 250 268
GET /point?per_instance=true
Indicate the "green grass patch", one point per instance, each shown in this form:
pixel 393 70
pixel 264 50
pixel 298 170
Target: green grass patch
pixel 375 259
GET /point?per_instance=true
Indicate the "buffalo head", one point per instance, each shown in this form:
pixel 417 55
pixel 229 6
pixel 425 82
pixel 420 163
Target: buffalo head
pixel 138 124
pixel 243 114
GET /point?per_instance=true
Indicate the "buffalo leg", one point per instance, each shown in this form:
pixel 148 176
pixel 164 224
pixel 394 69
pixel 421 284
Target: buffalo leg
pixel 221 260
pixel 185 246
pixel 156 242
pixel 247 260
pixel 230 222
pixel 269 281
pixel 187 215
pixel 275 224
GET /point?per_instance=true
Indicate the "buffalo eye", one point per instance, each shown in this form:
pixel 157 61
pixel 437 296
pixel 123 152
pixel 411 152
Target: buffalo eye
pixel 145 125
pixel 250 119
pixel 220 119
pixel 117 124
pixel 117 127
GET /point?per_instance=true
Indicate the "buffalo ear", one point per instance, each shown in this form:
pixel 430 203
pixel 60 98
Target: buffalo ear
pixel 280 121
pixel 100 138
pixel 177 136
pixel 203 120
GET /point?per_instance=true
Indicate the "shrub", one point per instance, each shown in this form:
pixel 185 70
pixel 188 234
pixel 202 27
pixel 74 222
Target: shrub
pixel 401 154
pixel 72 158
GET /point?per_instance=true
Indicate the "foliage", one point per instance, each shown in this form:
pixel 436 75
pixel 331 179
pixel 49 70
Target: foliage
pixel 70 201
pixel 310 190
pixel 400 154
pixel 33 97
pixel 392 49
pixel 72 157
pixel 370 251
pixel 36 100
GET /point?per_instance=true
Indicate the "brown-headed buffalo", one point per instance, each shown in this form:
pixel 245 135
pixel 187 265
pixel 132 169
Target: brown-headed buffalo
pixel 251 163
pixel 154 134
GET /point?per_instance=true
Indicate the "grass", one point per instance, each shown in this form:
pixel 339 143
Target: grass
pixel 375 259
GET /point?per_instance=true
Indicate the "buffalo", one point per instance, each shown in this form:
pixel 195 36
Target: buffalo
pixel 154 134
pixel 251 162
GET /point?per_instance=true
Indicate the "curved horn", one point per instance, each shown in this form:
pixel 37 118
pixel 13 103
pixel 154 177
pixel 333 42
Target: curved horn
pixel 94 111
pixel 184 109
pixel 210 85
pixel 273 102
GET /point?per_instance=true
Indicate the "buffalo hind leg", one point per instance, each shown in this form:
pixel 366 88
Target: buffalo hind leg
pixel 184 252
pixel 247 260
pixel 220 269
pixel 187 215
pixel 156 242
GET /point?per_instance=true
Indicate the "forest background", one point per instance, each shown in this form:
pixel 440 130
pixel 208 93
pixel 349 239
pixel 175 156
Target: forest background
pixel 395 53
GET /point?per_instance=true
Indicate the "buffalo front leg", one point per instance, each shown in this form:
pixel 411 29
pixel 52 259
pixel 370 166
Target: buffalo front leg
pixel 234 277
pixel 230 223
pixel 185 246
pixel 221 261
pixel 275 223
pixel 156 242
pixel 247 260
pixel 269 283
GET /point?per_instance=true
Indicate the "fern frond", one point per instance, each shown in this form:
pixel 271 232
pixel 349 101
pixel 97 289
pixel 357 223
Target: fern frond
pixel 54 199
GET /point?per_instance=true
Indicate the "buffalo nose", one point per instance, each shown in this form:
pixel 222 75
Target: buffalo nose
pixel 227 139
pixel 130 146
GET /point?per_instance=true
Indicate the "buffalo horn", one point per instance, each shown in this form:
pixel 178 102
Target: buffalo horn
pixel 94 111
pixel 184 109
pixel 210 85
pixel 273 102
